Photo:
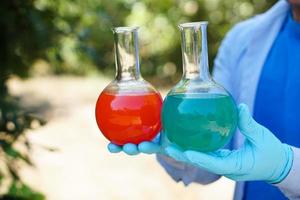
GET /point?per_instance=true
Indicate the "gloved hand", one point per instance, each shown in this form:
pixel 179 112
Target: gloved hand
pixel 132 149
pixel 262 157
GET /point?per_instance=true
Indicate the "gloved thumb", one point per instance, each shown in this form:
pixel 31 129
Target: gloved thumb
pixel 149 147
pixel 248 126
pixel 218 162
pixel 175 153
pixel 113 148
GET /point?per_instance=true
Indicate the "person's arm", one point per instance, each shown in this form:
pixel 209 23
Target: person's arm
pixel 262 157
pixel 290 186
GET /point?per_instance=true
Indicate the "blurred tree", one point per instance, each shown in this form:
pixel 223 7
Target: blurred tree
pixel 25 34
pixel 85 42
pixel 13 122
pixel 75 36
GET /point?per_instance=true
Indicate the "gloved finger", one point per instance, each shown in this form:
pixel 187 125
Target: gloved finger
pixel 113 148
pixel 176 154
pixel 218 162
pixel 131 149
pixel 148 147
pixel 248 126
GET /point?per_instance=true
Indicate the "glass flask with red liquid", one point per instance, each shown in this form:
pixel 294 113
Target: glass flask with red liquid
pixel 128 109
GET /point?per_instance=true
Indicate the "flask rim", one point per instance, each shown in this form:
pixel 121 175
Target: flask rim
pixel 192 24
pixel 123 29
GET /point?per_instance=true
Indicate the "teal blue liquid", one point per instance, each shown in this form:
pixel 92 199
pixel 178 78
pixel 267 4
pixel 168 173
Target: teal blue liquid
pixel 201 122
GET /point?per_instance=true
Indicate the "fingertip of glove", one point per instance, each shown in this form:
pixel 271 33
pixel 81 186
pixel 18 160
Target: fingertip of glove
pixel 113 148
pixel 243 108
pixel 175 153
pixel 130 149
pixel 146 147
pixel 245 116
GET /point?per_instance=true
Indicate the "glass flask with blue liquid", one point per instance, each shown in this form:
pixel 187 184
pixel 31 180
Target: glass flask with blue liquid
pixel 198 114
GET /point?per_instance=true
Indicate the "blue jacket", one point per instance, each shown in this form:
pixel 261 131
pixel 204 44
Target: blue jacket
pixel 237 67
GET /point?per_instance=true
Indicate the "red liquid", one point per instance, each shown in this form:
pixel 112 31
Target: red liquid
pixel 129 118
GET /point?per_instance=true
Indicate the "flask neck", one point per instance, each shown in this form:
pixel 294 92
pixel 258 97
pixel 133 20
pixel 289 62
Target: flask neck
pixel 126 53
pixel 194 51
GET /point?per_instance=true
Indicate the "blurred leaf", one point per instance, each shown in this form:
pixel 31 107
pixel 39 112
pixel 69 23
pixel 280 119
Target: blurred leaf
pixel 20 191
pixel 13 172
pixel 10 151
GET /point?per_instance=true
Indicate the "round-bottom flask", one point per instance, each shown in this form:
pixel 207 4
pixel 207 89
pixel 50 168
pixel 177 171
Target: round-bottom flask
pixel 128 110
pixel 198 114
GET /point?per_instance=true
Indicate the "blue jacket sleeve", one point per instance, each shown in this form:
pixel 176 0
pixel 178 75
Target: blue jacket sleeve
pixel 290 186
pixel 186 173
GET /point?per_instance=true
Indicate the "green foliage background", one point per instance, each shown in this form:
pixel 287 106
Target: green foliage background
pixel 74 36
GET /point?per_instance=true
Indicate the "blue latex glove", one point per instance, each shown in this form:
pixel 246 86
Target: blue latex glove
pixel 132 149
pixel 262 157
